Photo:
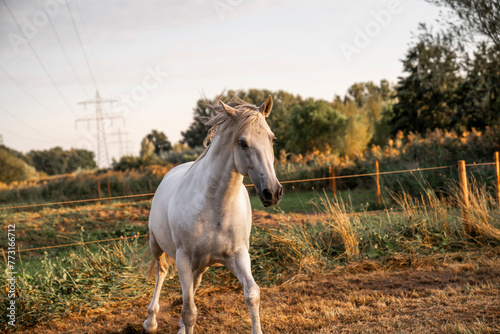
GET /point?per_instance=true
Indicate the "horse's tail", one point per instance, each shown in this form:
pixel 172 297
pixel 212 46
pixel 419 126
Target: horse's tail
pixel 165 262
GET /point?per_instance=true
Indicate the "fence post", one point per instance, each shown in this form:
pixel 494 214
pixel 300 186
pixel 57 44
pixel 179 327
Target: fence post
pixel 99 188
pixel 333 180
pixel 109 191
pixel 377 180
pixel 464 194
pixel 497 172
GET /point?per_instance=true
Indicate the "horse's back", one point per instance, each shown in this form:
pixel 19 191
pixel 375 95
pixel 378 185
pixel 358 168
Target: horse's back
pixel 168 185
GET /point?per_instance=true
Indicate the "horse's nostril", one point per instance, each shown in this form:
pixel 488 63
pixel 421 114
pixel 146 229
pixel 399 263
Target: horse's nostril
pixel 267 194
pixel 280 192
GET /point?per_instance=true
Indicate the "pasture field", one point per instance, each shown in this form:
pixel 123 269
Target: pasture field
pixel 414 269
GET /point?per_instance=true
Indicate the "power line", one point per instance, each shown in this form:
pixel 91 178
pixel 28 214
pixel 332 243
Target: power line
pixel 26 124
pixel 81 44
pixel 66 55
pixel 14 81
pixel 80 15
pixel 22 136
pixel 38 59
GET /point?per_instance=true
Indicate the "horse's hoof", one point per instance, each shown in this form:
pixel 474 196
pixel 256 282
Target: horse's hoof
pixel 148 329
pixel 144 331
pixel 182 330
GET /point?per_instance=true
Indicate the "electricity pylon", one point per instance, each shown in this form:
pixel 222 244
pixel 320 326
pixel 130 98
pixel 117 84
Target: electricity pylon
pixel 99 119
pixel 123 144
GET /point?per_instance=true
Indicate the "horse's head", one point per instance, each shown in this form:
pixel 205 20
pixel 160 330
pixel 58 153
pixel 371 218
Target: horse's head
pixel 253 149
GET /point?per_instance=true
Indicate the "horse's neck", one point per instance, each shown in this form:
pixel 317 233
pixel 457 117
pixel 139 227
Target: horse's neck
pixel 220 180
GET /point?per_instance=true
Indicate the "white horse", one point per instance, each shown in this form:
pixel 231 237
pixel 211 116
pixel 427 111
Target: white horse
pixel 201 215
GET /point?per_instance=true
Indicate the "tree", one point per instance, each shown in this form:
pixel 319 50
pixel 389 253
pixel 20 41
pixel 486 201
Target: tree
pixel 425 97
pixel 474 17
pixel 283 103
pixel 147 150
pixel 315 125
pixel 476 97
pixel 366 107
pixel 160 142
pixel 479 92
pixel 79 159
pixel 359 128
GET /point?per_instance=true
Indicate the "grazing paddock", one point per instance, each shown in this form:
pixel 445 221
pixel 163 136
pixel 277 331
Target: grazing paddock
pixel 438 295
pixel 412 270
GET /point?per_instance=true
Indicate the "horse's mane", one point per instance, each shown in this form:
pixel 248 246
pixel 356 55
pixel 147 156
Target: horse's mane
pixel 246 113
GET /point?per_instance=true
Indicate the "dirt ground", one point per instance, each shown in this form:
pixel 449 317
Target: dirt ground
pixel 454 293
pixel 458 297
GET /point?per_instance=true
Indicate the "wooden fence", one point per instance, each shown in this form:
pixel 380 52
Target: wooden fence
pixel 462 174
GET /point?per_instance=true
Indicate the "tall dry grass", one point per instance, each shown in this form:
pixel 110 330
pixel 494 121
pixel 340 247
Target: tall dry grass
pixel 342 223
pixel 480 215
pixel 425 224
pixel 92 277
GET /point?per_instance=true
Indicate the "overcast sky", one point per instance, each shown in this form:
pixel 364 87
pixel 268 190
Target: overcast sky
pixel 158 57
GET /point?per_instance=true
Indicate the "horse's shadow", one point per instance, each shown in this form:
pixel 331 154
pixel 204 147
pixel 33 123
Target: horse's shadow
pixel 129 329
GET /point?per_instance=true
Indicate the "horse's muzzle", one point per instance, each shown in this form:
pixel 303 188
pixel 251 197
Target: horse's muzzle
pixel 269 197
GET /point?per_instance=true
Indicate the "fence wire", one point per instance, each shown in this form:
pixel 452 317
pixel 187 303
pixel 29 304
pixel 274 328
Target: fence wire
pixel 247 185
pixel 82 243
pixel 386 211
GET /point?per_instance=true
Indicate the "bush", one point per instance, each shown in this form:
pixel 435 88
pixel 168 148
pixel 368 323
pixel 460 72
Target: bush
pixel 13 168
pixel 127 162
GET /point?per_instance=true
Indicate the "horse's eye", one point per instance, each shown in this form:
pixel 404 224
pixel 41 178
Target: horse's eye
pixel 243 144
pixel 274 140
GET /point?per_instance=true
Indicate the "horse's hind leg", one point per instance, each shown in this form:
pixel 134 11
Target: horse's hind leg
pixel 150 324
pixel 197 278
pixel 240 266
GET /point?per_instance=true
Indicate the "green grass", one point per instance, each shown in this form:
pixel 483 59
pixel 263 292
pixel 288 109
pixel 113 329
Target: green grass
pixel 304 201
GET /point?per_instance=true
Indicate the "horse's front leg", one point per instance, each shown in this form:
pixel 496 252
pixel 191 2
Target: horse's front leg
pixel 188 280
pixel 240 266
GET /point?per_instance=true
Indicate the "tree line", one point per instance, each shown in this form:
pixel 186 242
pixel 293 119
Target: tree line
pixel 16 166
pixel 342 126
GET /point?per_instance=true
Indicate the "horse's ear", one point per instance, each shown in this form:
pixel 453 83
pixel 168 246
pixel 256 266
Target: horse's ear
pixel 265 108
pixel 231 112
